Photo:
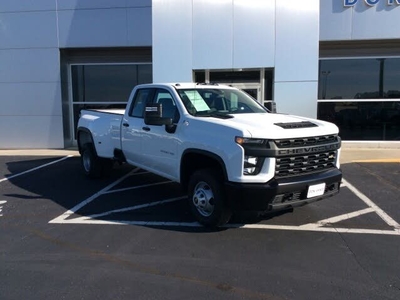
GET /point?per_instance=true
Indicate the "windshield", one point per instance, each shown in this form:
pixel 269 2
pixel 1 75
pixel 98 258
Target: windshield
pixel 219 101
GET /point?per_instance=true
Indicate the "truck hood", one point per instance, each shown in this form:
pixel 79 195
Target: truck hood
pixel 275 126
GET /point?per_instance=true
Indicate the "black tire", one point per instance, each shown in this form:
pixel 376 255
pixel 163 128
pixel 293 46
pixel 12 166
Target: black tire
pixel 92 165
pixel 207 198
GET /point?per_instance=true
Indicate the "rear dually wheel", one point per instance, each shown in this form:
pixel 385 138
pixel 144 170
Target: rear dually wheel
pixel 92 165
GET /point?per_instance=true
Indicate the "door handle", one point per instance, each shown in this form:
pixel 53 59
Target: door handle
pixel 125 124
pixel 146 128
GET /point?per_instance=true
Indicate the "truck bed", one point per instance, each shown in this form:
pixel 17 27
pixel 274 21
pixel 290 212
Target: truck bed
pixel 115 111
pixel 105 125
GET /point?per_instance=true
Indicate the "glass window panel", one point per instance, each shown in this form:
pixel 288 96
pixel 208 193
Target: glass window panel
pixel 78 84
pixel 391 81
pixel 359 121
pixel 235 76
pixel 199 76
pixel 145 74
pixel 349 79
pixel 107 83
pixel 269 84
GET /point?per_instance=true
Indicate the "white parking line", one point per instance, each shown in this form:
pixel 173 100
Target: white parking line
pixel 136 187
pixel 319 229
pixel 34 169
pixel 131 208
pixel 1 206
pixel 385 217
pixel 338 218
pixel 325 225
pixel 107 190
pixel 91 198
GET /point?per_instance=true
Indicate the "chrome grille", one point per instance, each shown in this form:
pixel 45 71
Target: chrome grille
pixel 302 163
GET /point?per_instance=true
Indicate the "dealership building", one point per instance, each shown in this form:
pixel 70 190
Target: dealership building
pixel 337 60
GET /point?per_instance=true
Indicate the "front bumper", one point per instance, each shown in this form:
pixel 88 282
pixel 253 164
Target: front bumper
pixel 281 193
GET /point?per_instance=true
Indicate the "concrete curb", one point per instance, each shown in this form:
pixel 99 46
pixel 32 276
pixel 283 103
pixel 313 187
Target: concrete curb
pixel 39 152
pixel 373 145
pixel 348 155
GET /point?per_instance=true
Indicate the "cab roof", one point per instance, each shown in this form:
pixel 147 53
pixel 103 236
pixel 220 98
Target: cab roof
pixel 191 85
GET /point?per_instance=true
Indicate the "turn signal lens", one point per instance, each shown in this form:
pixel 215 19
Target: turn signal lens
pixel 249 141
pixel 252 142
pixel 239 140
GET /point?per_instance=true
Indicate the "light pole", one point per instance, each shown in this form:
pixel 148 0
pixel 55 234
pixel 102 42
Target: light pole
pixel 325 75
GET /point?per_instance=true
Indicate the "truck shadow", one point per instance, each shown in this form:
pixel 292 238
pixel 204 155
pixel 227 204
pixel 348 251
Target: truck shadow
pixel 64 184
pixel 256 217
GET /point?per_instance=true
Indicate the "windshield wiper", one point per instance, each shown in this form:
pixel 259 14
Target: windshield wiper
pixel 215 114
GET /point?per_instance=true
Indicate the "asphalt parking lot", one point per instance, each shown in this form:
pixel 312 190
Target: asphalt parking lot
pixel 131 236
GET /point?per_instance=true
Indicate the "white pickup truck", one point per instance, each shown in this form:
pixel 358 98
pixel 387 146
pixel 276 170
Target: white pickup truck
pixel 226 150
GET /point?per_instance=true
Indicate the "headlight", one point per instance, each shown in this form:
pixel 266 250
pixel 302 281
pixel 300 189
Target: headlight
pixel 255 151
pixel 250 165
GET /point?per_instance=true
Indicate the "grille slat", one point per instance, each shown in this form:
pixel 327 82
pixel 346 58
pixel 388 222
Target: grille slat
pixel 312 141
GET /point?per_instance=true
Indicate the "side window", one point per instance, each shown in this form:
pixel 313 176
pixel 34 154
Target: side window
pixel 169 109
pixel 141 99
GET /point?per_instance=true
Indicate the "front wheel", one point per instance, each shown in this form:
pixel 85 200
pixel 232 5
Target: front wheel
pixel 207 198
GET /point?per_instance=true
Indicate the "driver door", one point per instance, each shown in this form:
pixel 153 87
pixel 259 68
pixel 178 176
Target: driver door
pixel 132 126
pixel 160 142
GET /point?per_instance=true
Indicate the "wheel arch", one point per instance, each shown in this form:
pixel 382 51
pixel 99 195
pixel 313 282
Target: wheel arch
pixel 84 136
pixel 195 159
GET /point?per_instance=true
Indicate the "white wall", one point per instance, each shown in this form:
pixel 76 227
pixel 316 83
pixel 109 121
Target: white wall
pixel 297 56
pixel 253 33
pixel 114 25
pixel 30 97
pixel 359 22
pixel 231 34
pixel 31 33
pixel 172 40
pixel 209 34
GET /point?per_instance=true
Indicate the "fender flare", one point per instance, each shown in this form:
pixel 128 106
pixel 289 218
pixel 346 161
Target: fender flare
pixel 207 154
pixel 86 130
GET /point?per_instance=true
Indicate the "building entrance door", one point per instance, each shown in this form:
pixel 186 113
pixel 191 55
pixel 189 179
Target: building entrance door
pixel 253 89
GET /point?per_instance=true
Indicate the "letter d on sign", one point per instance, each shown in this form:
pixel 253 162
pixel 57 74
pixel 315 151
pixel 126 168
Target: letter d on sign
pixel 348 3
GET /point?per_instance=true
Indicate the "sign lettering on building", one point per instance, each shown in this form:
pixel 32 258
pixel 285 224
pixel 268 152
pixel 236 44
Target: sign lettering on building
pixel 349 3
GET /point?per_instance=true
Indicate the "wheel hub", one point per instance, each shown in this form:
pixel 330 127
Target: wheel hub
pixel 203 199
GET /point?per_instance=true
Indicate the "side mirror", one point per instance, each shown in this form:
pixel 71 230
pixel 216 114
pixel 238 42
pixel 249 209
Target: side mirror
pixel 153 115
